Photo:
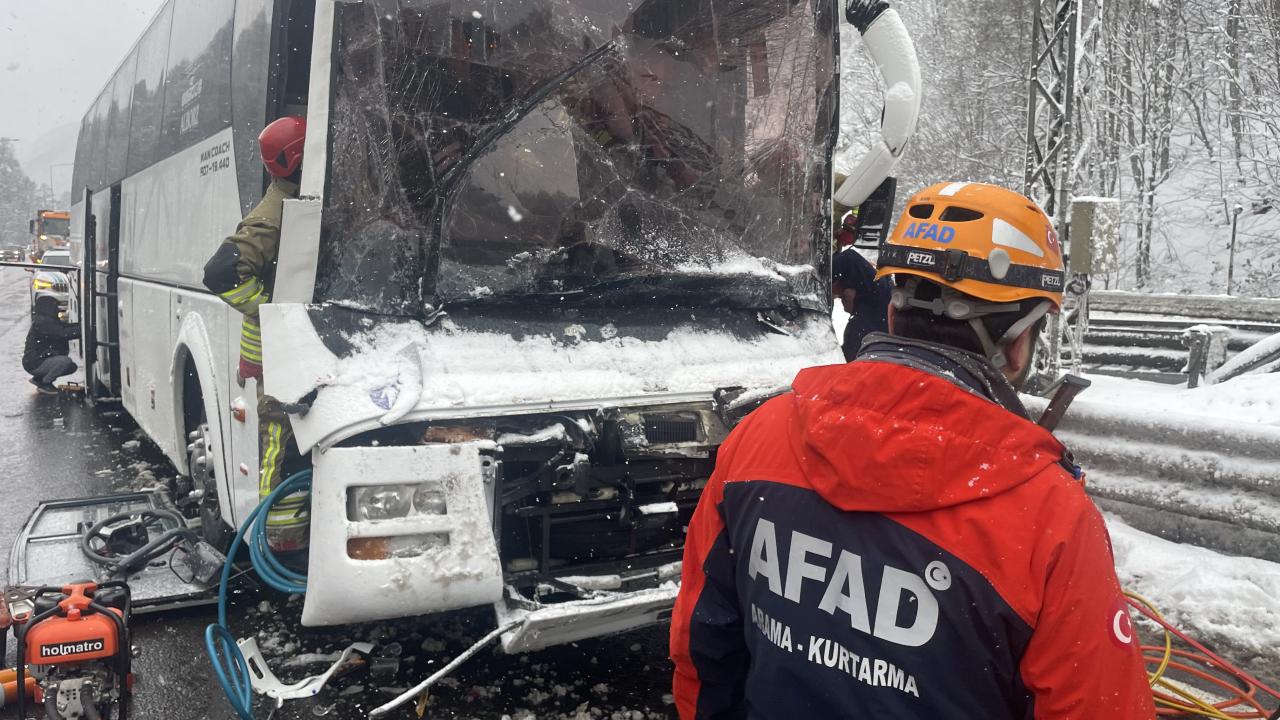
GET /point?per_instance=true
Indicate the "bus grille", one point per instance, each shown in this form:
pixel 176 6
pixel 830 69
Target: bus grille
pixel 663 429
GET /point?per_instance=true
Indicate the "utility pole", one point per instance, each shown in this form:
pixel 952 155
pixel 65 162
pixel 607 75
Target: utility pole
pixel 1051 96
pixel 1231 256
pixel 53 192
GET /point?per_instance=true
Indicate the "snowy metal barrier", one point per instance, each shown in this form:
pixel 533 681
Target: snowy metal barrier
pixel 1209 482
pixel 1205 307
pixel 1141 335
pixel 1262 356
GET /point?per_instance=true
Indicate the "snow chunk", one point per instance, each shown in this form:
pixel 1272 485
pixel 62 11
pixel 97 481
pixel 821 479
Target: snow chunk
pixel 594 582
pixel 551 433
pixel 900 92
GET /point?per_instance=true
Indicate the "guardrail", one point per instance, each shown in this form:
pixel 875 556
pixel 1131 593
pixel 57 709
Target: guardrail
pixel 1204 307
pixel 1140 335
pixel 1206 481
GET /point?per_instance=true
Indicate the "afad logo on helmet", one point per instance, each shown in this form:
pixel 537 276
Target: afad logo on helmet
pixel 929 231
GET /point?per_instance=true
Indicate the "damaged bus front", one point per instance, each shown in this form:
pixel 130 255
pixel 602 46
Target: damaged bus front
pixel 561 247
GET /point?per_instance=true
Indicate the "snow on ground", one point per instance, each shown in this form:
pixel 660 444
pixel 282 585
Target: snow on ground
pixel 1248 398
pixel 1218 599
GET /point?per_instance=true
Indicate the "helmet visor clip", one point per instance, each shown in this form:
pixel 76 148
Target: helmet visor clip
pixel 953 264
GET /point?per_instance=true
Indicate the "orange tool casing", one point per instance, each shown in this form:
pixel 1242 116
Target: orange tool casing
pixel 74 636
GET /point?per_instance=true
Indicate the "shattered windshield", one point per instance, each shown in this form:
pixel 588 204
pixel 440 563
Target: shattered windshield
pixel 508 148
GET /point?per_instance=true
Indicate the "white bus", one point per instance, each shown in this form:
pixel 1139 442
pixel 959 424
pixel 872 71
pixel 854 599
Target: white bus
pixel 546 254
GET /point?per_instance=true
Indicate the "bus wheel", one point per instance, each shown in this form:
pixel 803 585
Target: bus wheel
pixel 204 481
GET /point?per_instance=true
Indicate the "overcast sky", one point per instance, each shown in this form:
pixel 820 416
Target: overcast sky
pixel 56 55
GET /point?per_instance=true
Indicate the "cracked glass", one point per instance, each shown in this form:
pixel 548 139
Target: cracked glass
pixel 499 149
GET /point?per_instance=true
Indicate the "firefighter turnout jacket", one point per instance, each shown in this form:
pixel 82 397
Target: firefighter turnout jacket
pixel 887 541
pixel 242 271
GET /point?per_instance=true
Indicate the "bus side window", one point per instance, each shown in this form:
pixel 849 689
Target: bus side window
pixel 298 53
pixel 252 72
pixel 197 82
pixel 148 93
pixel 117 135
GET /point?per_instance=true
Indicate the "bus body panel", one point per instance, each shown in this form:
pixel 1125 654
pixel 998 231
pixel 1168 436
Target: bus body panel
pixel 176 212
pixel 442 561
pixel 404 371
pixel 148 359
pixel 128 397
pixel 299 251
pixel 174 215
pixel 75 238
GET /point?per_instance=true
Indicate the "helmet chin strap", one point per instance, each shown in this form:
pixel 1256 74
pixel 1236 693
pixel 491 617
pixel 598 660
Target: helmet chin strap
pixel 958 306
pixel 995 351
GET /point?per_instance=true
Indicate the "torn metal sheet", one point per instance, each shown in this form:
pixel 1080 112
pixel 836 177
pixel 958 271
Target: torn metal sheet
pixel 554 624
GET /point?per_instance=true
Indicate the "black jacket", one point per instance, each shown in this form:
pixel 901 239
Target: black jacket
pixel 48 335
pixel 871 305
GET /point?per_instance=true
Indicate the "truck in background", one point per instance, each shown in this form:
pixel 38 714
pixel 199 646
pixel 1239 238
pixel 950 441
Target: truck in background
pixel 49 229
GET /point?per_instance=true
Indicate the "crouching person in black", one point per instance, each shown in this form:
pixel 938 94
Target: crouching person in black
pixel 47 355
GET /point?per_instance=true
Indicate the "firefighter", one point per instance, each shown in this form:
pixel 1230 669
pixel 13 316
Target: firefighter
pixel 242 273
pixel 895 538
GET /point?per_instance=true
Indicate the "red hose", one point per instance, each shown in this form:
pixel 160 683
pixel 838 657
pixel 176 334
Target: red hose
pixel 1241 688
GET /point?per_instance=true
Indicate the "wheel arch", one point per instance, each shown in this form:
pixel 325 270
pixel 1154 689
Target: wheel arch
pixel 194 381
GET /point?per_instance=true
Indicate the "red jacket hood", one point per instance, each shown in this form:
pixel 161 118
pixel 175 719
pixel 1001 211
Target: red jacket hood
pixel 880 437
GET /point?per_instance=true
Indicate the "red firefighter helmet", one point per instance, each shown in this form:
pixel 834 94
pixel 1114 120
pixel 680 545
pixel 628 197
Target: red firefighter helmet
pixel 281 143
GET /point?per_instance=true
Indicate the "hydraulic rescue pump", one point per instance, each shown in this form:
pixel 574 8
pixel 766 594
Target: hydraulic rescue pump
pixel 74 643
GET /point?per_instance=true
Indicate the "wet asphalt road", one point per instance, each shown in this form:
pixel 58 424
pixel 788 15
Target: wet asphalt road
pixel 57 447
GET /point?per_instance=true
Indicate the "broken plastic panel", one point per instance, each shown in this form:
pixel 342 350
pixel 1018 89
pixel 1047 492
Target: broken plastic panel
pixel 550 145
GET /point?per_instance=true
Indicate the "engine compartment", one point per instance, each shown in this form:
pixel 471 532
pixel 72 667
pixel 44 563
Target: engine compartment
pixel 606 493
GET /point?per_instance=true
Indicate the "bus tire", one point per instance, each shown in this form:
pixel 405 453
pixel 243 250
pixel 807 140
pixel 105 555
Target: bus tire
pixel 204 481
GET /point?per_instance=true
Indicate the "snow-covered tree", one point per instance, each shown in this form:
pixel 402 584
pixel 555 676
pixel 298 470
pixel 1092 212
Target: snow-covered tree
pixel 18 198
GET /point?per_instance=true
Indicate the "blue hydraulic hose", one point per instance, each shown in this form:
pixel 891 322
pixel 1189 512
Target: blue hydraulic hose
pixel 228 662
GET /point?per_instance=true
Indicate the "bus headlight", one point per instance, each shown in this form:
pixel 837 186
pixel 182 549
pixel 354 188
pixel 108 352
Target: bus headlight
pixel 428 499
pixel 379 502
pixel 387 502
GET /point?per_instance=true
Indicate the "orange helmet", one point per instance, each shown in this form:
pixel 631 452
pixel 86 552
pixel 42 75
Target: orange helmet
pixel 988 248
pixel 981 240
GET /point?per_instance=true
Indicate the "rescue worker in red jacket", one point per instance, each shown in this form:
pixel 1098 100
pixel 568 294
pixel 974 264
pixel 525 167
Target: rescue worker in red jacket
pixel 242 272
pixel 895 538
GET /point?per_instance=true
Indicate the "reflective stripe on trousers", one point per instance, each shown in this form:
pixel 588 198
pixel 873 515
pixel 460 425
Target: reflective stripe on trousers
pixel 288 522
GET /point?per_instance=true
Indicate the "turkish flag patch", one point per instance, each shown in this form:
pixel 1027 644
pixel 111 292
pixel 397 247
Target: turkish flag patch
pixel 1120 625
